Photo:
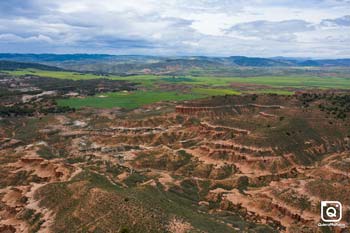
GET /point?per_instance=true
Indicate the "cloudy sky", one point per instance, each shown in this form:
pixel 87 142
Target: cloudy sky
pixel 294 28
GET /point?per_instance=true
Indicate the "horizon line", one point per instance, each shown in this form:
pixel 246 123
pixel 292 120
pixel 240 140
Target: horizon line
pixel 165 56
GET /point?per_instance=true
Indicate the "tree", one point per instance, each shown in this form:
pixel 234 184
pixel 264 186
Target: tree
pixel 242 183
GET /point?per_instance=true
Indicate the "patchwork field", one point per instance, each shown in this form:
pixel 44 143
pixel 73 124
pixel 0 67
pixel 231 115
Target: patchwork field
pixel 274 81
pixel 155 88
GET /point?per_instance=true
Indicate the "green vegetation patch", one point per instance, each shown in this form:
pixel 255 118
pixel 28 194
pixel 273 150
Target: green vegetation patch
pixel 55 74
pixel 149 80
pixel 214 91
pixel 125 100
pixel 177 79
pixel 279 81
pixel 47 153
pixel 271 91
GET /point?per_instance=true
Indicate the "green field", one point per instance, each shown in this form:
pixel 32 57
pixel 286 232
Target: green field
pixel 125 100
pixel 273 81
pixel 54 74
pixel 214 91
pixel 199 87
pixel 138 98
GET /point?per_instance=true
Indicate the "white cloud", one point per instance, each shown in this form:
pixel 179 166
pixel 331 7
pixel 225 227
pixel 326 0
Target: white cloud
pixel 177 27
pixel 11 38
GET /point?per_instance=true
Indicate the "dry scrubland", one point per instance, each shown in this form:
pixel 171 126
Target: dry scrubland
pixel 259 163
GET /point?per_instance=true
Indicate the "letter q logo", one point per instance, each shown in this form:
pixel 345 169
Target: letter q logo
pixel 331 211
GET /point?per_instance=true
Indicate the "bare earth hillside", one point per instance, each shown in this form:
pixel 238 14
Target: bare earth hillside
pixel 252 163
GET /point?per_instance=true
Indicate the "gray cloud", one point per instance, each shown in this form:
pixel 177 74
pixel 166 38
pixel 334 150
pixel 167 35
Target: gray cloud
pixel 282 30
pixel 28 8
pixel 342 21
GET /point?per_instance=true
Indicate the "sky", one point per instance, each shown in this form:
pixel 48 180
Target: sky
pixel 260 28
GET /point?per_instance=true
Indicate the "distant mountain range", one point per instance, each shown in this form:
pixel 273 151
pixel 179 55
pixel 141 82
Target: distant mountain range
pixel 11 65
pixel 238 66
pixel 62 59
